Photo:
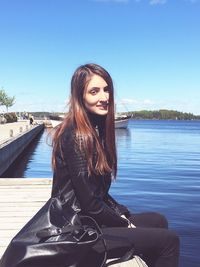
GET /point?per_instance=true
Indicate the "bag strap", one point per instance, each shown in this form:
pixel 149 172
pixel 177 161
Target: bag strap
pixel 127 256
pixel 49 232
pixel 95 226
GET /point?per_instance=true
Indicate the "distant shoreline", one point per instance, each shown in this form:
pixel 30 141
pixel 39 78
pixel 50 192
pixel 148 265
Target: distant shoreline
pixel 154 119
pixel 162 114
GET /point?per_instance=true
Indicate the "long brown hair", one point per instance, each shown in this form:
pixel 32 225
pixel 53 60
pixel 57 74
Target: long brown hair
pixel 106 160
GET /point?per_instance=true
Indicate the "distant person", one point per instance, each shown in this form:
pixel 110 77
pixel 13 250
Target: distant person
pixel 85 162
pixel 31 120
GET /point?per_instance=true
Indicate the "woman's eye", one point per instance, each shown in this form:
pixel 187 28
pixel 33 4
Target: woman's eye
pixel 106 89
pixel 93 92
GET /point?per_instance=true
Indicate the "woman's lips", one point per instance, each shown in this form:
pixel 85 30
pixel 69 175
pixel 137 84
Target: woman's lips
pixel 103 106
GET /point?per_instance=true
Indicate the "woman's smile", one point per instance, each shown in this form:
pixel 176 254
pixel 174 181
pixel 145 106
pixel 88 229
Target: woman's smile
pixel 103 106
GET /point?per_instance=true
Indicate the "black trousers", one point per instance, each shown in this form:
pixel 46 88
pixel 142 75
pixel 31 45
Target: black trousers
pixel 151 240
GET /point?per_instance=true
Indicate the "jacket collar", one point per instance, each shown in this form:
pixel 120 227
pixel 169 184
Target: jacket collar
pixel 97 121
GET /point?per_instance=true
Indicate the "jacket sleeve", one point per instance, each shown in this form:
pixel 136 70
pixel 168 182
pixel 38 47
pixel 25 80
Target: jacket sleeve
pixel 119 208
pixel 88 188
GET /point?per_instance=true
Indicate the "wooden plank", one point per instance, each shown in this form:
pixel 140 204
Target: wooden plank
pixel 20 199
pixel 25 181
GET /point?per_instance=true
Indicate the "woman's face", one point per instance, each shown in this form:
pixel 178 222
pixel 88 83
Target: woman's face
pixel 96 95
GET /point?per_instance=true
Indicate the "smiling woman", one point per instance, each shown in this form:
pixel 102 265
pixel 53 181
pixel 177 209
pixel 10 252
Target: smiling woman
pixel 91 106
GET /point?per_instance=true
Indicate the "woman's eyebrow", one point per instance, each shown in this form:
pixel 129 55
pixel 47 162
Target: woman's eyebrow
pixel 94 88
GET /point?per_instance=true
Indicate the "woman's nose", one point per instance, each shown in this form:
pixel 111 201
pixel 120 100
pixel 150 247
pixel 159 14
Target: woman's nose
pixel 103 96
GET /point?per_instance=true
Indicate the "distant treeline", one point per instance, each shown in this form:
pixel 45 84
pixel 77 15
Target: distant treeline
pixel 162 114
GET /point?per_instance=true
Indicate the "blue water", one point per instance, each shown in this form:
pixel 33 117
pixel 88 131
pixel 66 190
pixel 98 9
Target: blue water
pixel 158 170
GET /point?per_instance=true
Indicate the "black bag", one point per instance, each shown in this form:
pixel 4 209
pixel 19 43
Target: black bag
pixel 56 236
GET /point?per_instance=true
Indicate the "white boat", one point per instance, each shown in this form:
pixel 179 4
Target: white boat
pixel 121 123
pixel 56 120
pixel 55 123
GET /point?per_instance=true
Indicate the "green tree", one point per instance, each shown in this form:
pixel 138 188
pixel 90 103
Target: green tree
pixel 2 96
pixel 163 114
pixel 9 102
pixel 5 100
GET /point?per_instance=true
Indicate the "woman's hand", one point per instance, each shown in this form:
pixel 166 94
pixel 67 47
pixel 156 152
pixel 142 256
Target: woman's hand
pixel 130 225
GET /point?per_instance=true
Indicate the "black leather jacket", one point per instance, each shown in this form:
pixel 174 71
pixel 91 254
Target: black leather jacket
pixel 86 194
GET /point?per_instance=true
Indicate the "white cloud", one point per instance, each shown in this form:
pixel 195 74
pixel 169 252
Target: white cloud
pixel 134 104
pixel 192 1
pixel 57 106
pixel 114 1
pixel 148 102
pixel 157 2
pixel 127 101
pixel 151 2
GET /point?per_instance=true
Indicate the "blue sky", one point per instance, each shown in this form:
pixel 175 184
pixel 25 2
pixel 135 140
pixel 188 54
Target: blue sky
pixel 150 47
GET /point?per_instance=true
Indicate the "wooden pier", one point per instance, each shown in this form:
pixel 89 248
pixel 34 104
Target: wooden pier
pixel 20 199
